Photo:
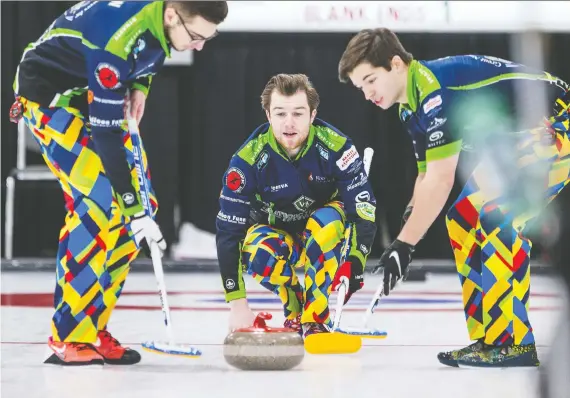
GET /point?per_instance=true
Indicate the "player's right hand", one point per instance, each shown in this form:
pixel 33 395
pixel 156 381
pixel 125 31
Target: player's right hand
pixel 241 316
pixel 353 270
pixel 145 230
pixel 395 261
pixel 258 213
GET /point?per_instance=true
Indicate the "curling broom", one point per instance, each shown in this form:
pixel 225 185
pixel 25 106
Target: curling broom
pixel 341 341
pixel 158 347
pixel 365 331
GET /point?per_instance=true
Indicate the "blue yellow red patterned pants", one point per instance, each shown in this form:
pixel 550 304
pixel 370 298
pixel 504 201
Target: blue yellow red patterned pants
pixel 95 244
pixel 491 255
pixel 271 256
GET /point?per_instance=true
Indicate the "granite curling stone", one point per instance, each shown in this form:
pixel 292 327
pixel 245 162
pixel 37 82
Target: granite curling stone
pixel 264 348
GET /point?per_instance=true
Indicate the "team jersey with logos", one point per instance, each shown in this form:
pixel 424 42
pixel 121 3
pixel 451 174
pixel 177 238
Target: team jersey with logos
pixel 87 59
pixel 464 101
pixel 328 168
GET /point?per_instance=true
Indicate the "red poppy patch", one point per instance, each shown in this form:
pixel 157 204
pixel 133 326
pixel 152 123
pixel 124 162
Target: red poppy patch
pixel 107 76
pixel 235 179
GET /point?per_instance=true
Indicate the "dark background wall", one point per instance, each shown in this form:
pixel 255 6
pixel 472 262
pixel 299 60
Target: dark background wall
pixel 197 116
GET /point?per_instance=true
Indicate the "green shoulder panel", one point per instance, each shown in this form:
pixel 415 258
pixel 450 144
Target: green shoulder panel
pixel 149 18
pixel 421 83
pixel 125 37
pixel 426 82
pixel 253 148
pixel 330 138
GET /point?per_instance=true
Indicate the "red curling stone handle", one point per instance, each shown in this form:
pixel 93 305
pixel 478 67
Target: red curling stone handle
pixel 259 325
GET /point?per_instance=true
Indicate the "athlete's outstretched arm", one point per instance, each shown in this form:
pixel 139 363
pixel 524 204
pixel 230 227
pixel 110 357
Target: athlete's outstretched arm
pixel 430 197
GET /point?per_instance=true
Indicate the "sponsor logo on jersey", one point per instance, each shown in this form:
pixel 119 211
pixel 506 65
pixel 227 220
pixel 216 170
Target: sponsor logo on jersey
pixel 235 179
pixel 319 179
pixel 436 122
pixel 323 151
pixel 263 159
pixel 96 122
pixel 354 167
pixel 107 76
pixel 303 203
pixel 436 135
pixel 347 158
pixel 491 61
pixel 127 25
pixel 141 44
pixel 77 10
pixel 363 196
pixel 425 74
pixel 108 101
pixel 230 284
pixel 128 198
pixel 235 200
pixel 276 188
pixel 231 218
pixel 366 211
pixel 288 217
pixel 432 103
pixel 405 114
pixel 357 181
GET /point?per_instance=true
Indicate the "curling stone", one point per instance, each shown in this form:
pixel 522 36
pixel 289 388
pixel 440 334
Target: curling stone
pixel 261 347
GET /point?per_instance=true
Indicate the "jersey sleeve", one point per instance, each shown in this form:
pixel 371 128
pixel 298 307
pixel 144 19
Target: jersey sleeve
pixel 419 143
pixel 232 224
pixel 106 100
pixel 142 84
pixel 359 202
pixel 418 137
pixel 439 139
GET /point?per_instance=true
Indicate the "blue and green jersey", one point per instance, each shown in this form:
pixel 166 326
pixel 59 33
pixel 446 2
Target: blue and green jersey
pixel 87 59
pixel 328 168
pixel 464 101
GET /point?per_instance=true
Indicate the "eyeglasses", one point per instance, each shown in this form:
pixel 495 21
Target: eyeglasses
pixel 193 35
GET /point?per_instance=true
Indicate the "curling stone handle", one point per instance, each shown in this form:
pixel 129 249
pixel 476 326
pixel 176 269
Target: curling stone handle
pixel 259 321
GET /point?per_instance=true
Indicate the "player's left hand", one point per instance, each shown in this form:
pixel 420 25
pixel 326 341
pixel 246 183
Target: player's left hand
pixel 354 271
pixel 138 100
pixel 395 261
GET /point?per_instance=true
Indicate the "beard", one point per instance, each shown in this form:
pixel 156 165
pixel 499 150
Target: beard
pixel 168 33
pixel 293 143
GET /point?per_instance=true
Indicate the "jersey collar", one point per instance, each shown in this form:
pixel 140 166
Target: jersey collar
pixel 277 147
pixel 411 89
pixel 155 17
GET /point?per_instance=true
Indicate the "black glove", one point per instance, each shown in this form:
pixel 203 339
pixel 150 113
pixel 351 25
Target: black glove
pixel 354 271
pixel 258 213
pixel 395 261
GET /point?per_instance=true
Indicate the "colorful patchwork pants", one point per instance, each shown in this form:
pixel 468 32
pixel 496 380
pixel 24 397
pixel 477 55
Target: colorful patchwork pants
pixel 95 244
pixel 271 256
pixel 484 226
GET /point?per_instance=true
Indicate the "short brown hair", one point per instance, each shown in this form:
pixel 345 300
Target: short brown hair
pixel 212 11
pixel 374 46
pixel 289 85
